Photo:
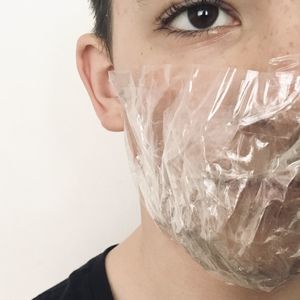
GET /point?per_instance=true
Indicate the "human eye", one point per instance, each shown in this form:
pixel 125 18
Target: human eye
pixel 197 16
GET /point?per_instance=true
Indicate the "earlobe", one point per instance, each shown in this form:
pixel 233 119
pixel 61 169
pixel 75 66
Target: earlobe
pixel 93 64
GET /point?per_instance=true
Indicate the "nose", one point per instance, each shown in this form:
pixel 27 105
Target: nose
pixel 284 28
pixel 274 32
pixel 281 29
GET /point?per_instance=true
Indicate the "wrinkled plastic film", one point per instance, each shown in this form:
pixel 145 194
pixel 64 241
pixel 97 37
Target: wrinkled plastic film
pixel 215 154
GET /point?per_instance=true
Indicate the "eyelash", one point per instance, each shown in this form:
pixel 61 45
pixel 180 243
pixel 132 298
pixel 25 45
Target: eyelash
pixel 177 8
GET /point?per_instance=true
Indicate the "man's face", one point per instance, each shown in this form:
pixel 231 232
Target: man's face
pixel 244 33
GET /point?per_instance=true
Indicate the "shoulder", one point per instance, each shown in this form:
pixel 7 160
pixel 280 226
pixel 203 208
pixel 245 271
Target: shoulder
pixel 87 282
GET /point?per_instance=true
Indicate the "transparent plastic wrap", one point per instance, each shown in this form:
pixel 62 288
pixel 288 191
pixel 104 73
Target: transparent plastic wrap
pixel 216 155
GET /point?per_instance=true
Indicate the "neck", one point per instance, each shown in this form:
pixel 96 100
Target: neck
pixel 175 275
pixel 149 265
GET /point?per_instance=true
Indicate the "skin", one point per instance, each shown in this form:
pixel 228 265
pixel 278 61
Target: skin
pixel 148 265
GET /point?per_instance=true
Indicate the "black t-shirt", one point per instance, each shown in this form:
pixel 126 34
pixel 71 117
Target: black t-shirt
pixel 89 282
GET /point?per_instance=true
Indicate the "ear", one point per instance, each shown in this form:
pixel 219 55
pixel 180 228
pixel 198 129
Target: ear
pixel 93 64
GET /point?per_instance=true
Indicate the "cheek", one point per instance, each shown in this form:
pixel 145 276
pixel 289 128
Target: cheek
pixel 131 47
pixel 135 51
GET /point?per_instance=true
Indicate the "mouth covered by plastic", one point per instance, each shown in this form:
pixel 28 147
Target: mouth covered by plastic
pixel 216 156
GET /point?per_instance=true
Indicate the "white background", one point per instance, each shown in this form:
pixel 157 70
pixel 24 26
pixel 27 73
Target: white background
pixel 66 193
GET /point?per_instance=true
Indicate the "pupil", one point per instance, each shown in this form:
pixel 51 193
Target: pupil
pixel 203 16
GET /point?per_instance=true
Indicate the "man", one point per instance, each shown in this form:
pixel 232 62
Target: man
pixel 128 35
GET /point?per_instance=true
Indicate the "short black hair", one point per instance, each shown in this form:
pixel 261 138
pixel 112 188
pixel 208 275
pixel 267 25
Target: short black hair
pixel 102 10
